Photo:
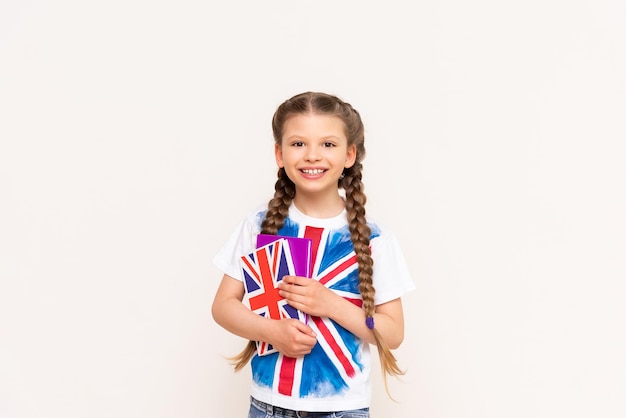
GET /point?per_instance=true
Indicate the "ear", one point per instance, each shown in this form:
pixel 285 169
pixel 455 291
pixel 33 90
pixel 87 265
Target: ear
pixel 278 152
pixel 350 156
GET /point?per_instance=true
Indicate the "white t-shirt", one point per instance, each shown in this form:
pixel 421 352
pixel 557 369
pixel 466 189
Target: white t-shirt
pixel 335 376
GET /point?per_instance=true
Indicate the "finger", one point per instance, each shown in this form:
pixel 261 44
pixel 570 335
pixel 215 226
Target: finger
pixel 296 280
pixel 289 279
pixel 287 290
pixel 283 285
pixel 295 300
pixel 289 297
pixel 305 329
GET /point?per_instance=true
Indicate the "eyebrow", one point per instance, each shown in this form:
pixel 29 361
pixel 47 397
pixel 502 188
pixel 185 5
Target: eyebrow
pixel 304 137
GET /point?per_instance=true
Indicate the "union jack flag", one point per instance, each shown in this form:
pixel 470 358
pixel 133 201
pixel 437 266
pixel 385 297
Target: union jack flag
pixel 334 361
pixel 262 270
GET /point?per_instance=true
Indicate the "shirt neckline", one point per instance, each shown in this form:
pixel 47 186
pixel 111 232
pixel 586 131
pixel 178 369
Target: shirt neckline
pixel 300 217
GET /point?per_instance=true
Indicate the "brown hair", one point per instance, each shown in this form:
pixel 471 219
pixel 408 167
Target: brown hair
pixel 278 206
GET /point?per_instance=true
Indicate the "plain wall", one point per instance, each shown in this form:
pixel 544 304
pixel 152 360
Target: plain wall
pixel 134 135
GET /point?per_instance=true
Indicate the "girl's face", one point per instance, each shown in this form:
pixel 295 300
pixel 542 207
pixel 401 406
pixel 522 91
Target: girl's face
pixel 314 152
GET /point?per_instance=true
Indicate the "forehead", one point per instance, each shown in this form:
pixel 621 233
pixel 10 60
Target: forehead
pixel 312 125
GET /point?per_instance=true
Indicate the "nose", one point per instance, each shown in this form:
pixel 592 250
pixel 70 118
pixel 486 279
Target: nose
pixel 312 154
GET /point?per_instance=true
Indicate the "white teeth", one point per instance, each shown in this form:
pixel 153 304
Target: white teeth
pixel 315 171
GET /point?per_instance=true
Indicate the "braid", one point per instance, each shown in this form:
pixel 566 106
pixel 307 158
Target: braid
pixel 360 235
pixel 278 206
pixel 277 211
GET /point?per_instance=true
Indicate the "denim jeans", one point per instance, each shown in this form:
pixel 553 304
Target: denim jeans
pixel 260 409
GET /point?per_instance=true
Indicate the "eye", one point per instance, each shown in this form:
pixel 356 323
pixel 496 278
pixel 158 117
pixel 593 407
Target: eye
pixel 297 144
pixel 329 144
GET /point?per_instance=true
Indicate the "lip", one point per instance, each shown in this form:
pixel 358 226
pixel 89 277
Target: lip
pixel 312 172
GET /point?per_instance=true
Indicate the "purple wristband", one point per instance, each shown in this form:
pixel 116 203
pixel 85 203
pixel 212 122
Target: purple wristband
pixel 369 321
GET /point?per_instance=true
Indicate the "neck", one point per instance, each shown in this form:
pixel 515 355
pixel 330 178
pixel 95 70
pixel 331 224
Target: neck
pixel 319 207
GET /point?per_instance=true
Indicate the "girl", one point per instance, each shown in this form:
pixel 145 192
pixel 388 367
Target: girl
pixel 322 368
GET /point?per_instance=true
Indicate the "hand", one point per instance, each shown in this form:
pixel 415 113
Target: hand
pixel 308 295
pixel 292 337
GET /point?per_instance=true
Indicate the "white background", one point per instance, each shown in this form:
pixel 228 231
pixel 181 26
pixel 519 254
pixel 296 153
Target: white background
pixel 135 134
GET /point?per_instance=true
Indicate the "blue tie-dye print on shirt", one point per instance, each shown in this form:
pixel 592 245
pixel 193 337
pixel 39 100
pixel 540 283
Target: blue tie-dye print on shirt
pixel 320 377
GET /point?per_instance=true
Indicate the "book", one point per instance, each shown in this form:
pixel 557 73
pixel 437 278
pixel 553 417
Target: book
pixel 301 250
pixel 274 258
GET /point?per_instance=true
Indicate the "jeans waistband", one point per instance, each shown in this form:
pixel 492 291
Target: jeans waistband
pixel 277 410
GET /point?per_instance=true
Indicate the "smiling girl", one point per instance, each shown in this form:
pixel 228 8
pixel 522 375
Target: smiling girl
pixel 322 368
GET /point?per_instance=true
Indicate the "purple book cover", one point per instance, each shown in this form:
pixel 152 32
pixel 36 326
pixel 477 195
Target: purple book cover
pixel 300 251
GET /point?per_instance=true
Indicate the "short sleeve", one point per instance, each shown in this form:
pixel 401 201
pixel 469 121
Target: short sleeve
pixel 242 241
pixel 392 277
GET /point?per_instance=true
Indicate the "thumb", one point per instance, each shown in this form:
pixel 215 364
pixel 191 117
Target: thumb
pixel 305 329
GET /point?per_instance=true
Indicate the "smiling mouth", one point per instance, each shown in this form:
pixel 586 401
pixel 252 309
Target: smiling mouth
pixel 313 171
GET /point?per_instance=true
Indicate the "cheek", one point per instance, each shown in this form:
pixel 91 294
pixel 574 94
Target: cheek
pixel 289 156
